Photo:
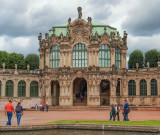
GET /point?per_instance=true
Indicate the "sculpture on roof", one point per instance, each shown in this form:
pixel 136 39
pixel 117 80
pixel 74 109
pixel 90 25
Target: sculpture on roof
pixel 79 12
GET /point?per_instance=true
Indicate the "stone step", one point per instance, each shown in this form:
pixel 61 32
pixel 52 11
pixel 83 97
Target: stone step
pixel 83 107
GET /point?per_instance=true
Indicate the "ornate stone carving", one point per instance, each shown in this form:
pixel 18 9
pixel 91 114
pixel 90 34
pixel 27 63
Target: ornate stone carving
pixel 79 12
pixel 137 65
pixel 28 67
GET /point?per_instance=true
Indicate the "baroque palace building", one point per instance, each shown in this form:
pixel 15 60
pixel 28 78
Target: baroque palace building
pixel 81 58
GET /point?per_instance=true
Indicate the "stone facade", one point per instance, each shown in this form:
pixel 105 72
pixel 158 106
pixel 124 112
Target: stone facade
pixel 56 84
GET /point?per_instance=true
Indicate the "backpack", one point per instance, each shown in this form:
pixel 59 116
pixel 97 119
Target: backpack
pixel 127 111
pixel 18 109
pixel 113 110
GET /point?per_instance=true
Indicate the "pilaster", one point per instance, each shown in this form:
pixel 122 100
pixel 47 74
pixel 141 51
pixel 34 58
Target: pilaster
pixel 28 88
pixel 112 56
pixel 3 87
pixel 15 88
pixel 47 57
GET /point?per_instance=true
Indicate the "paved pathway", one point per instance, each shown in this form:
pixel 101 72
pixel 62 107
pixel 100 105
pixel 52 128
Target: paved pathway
pixel 34 118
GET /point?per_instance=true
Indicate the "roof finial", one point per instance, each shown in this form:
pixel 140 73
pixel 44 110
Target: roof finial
pixel 79 12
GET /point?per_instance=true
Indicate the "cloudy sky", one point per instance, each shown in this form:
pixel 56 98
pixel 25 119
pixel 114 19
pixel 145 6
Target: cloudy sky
pixel 22 20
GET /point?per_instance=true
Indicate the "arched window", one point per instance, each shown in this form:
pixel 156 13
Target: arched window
pixel 34 89
pixel 118 57
pixel 21 89
pixel 9 88
pixel 143 88
pixel 79 56
pixel 131 88
pixel 153 87
pixel 104 56
pixel 0 88
pixel 54 57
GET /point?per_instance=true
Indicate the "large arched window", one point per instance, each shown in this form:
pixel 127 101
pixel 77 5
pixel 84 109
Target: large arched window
pixel 131 88
pixel 79 56
pixel 54 57
pixel 104 56
pixel 21 89
pixel 143 88
pixel 118 57
pixel 0 88
pixel 153 87
pixel 9 88
pixel 34 89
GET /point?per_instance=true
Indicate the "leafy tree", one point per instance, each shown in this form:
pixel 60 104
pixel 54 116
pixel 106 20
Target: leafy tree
pixel 136 57
pixel 18 59
pixel 152 57
pixel 33 61
pixel 4 58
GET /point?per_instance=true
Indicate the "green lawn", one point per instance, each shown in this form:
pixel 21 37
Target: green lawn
pixel 136 123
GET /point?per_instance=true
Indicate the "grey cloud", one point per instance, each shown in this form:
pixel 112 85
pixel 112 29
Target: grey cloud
pixel 27 21
pixel 144 20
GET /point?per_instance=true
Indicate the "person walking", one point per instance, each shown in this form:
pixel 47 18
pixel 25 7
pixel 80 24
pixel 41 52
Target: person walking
pixel 46 107
pixel 40 107
pixel 117 109
pixel 43 108
pixel 126 110
pixel 112 113
pixel 19 112
pixel 36 107
pixel 9 109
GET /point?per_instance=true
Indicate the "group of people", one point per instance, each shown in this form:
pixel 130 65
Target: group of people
pixel 42 107
pixel 9 110
pixel 18 111
pixel 115 110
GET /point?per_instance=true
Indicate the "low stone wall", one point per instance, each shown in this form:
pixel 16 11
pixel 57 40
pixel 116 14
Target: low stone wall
pixel 145 129
pixel 26 102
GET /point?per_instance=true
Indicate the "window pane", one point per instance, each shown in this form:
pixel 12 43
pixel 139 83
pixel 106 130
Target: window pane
pixel 79 55
pixel 54 56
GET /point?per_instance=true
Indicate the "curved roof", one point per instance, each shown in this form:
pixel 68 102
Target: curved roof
pixel 96 27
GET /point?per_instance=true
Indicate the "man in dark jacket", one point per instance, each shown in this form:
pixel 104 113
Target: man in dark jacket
pixel 126 110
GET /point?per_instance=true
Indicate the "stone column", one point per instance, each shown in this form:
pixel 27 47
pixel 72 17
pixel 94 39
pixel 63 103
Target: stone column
pixel 65 58
pixel 97 54
pixel 158 83
pixel 148 88
pixel 15 94
pixel 70 58
pixel 137 88
pixel 112 56
pixel 47 57
pixel 27 88
pixel 113 91
pixel 41 60
pixel 3 88
pixel 123 59
pixel 89 57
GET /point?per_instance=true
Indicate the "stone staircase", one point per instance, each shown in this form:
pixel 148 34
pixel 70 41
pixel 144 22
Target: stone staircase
pixel 78 102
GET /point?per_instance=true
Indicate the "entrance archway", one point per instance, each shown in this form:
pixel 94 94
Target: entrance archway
pixel 55 92
pixel 105 92
pixel 79 92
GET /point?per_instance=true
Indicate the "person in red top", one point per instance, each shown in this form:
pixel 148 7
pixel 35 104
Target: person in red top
pixel 9 109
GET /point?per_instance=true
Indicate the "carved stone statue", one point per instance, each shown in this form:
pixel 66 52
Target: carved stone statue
pixel 28 67
pixel 79 12
pixel 69 21
pixel 158 63
pixel 3 65
pixel 137 65
pixel 89 20
pixel 61 36
pixel 53 30
pixel 148 64
pixel 105 30
pixel 15 66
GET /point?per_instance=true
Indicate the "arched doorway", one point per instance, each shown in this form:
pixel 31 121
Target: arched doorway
pixel 79 92
pixel 55 92
pixel 104 92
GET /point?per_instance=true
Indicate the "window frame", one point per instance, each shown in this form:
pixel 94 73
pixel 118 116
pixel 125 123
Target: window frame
pixel 131 88
pixel 79 59
pixel 22 88
pixel 9 90
pixel 118 57
pixel 104 56
pixel 143 87
pixel 34 89
pixel 54 57
pixel 154 87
